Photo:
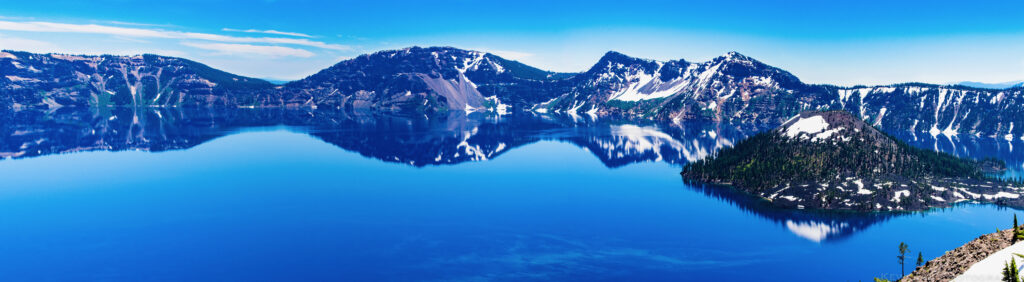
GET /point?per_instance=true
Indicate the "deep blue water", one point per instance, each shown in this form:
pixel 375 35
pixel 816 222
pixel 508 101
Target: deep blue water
pixel 397 200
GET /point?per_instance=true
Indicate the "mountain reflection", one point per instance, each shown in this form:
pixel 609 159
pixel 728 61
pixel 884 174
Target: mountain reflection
pixel 457 138
pixel 415 141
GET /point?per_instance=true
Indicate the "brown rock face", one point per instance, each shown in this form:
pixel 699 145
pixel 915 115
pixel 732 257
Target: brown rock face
pixel 955 262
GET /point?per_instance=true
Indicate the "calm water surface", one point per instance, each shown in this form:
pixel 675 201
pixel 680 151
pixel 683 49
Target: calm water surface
pixel 303 196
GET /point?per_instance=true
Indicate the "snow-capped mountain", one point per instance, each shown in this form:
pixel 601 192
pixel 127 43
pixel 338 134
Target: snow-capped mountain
pixel 729 87
pixel 437 80
pixel 30 80
pixel 946 110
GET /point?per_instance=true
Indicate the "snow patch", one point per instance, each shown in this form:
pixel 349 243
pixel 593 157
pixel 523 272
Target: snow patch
pixel 900 194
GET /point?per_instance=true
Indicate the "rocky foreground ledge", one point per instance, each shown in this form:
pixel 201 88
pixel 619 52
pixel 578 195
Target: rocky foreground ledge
pixel 956 262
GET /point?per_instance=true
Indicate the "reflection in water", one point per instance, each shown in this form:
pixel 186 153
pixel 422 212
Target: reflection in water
pixel 973 147
pixel 817 226
pixel 458 138
pixel 415 141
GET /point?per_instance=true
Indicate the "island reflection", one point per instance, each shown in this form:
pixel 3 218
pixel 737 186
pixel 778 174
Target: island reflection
pixel 450 140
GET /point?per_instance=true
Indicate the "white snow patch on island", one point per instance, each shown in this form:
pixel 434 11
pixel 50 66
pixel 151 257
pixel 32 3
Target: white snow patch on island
pixel 860 188
pixel 814 127
pixel 1001 195
pixel 811 125
pixel 899 194
pixel 790 198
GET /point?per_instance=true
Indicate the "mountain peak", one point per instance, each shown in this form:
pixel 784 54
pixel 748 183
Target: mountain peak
pixel 734 56
pixel 615 56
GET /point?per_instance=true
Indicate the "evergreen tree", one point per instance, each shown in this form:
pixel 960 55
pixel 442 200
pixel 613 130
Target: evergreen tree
pixel 1010 273
pixel 900 258
pixel 920 259
pixel 1016 230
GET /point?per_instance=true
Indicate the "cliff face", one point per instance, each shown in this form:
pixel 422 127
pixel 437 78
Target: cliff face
pixel 435 79
pixel 731 88
pixel 53 80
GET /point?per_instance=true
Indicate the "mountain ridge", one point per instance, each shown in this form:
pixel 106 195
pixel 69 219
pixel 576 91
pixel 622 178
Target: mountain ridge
pixel 433 80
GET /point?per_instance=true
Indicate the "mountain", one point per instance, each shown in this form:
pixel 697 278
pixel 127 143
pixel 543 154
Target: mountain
pixel 30 80
pixel 1000 85
pixel 737 88
pixel 437 80
pixel 834 160
pixel 732 87
pixel 434 79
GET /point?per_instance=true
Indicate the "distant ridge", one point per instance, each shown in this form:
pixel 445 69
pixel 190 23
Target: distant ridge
pixel 433 80
pixel 1000 85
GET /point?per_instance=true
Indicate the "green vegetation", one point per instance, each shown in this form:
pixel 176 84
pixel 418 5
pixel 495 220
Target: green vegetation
pixel 521 70
pixel 1010 270
pixel 903 254
pixel 1017 234
pixel 623 105
pixel 770 159
pixel 223 79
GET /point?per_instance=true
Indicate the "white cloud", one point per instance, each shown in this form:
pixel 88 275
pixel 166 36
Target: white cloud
pixel 159 33
pixel 268 31
pixel 22 44
pixel 249 49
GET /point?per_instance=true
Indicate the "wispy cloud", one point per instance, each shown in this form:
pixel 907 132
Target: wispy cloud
pixel 249 49
pixel 14 43
pixel 37 26
pixel 137 24
pixel 268 31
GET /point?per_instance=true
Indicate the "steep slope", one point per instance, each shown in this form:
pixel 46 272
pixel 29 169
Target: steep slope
pixel 833 160
pixel 52 80
pixel 435 79
pixel 945 110
pixel 732 87
pixel 737 88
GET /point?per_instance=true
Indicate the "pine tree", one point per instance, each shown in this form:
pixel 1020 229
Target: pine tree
pixel 903 254
pixel 920 259
pixel 1010 273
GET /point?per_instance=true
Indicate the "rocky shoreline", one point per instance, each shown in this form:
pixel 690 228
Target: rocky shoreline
pixel 957 261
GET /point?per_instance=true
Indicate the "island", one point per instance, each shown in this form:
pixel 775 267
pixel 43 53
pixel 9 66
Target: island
pixel 832 160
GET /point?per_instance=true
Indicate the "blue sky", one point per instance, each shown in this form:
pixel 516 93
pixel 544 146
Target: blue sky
pixel 840 42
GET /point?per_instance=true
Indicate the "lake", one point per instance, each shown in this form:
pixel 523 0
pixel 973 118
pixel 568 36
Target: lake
pixel 190 194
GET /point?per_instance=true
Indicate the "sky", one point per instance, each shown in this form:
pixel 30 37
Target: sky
pixel 839 42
